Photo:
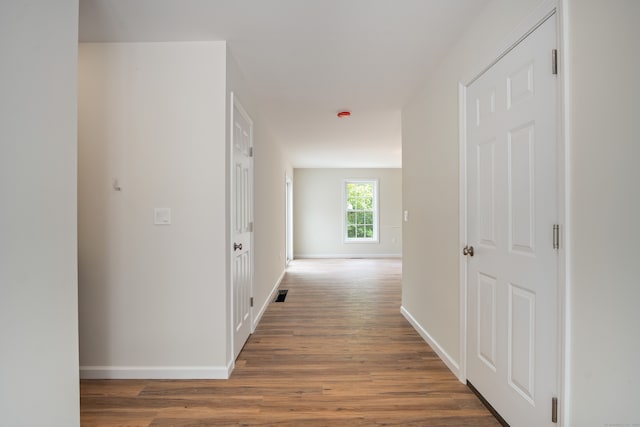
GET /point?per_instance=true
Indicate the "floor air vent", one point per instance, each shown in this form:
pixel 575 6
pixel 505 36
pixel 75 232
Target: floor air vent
pixel 282 294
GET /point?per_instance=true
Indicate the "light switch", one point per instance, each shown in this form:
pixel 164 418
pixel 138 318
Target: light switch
pixel 162 216
pixel 406 216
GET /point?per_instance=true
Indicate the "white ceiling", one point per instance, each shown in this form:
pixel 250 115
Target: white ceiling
pixel 306 60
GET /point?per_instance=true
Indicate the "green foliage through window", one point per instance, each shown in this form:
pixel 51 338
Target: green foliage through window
pixel 360 210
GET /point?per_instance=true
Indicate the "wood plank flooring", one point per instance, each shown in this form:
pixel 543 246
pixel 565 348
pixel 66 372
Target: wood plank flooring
pixel 337 352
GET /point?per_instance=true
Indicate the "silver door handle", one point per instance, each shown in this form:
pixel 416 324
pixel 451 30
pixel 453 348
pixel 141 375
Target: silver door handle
pixel 467 250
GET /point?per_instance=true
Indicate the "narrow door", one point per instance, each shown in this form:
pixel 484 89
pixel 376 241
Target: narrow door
pixel 242 217
pixel 512 266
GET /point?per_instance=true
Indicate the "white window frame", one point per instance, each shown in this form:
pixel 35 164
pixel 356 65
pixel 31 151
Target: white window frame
pixel 376 211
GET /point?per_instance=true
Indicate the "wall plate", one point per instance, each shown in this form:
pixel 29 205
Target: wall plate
pixel 162 216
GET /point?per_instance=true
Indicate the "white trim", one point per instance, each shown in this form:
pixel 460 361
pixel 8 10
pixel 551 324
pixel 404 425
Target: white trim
pixel 444 356
pixel 155 372
pixel 345 256
pixel 270 298
pixel 230 217
pixel 235 103
pixel 462 123
pixel 564 205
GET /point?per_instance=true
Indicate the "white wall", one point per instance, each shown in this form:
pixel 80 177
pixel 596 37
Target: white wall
pixel 153 298
pixel 270 168
pixel 430 156
pixel 604 93
pixel 318 216
pixel 38 262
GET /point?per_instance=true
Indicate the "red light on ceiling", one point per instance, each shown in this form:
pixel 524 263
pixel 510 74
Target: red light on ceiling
pixel 343 114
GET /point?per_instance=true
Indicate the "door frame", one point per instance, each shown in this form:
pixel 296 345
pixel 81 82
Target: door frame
pixel 233 104
pixel 526 27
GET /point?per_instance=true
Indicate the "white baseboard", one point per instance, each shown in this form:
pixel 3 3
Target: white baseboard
pixel 156 372
pixel 343 256
pixel 270 298
pixel 448 360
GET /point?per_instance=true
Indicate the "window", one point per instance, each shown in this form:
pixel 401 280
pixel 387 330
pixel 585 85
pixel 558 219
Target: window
pixel 361 210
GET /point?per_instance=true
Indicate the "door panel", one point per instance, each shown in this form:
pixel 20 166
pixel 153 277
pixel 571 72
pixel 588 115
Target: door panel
pixel 521 147
pixel 242 216
pixel 521 346
pixel 487 320
pixel 486 193
pixel 512 207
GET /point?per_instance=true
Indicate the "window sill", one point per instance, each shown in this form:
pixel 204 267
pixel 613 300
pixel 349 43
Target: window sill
pixel 361 241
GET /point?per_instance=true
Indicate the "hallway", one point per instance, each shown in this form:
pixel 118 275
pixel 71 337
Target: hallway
pixel 336 352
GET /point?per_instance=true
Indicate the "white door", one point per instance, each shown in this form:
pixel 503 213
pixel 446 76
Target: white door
pixel 512 311
pixel 242 219
pixel 289 218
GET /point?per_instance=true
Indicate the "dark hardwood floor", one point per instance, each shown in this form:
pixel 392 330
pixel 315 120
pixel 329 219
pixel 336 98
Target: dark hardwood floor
pixel 337 352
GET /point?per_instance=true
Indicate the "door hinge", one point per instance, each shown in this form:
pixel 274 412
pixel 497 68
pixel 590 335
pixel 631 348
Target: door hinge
pixel 250 227
pixel 250 151
pixel 554 410
pixel 251 302
pixel 556 236
pixel 554 61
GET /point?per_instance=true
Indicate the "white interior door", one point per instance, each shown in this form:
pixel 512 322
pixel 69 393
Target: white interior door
pixel 512 186
pixel 289 218
pixel 242 218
